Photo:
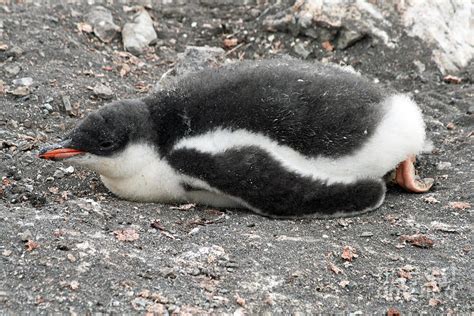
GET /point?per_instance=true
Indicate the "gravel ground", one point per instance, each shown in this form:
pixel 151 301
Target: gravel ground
pixel 66 244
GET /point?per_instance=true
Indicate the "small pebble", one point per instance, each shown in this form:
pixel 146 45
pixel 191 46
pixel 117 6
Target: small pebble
pixel 193 231
pixel 12 69
pixel 103 91
pixel 26 235
pixel 58 174
pixel 443 165
pixel 67 103
pixel 27 81
pixel 366 234
pixel 47 107
pixel 15 51
pixel 470 110
pixel 71 258
pixel 67 170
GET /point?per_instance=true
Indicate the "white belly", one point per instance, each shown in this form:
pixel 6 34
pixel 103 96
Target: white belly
pixel 138 174
pixel 145 188
pixel 157 182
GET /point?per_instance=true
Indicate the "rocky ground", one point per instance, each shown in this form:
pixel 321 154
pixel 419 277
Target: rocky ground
pixel 66 244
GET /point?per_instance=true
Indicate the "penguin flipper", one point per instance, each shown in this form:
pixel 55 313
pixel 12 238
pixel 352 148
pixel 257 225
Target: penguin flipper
pixel 250 175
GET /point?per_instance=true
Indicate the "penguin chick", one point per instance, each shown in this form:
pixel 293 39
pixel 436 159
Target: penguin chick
pixel 283 138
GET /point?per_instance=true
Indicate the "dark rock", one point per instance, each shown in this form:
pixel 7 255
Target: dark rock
pixel 470 110
pixel 302 50
pixel 63 247
pixel 279 22
pixel 325 34
pixel 348 38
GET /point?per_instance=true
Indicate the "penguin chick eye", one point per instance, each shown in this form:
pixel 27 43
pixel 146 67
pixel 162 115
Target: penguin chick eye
pixel 106 145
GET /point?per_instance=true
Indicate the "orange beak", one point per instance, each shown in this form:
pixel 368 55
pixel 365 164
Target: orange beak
pixel 59 151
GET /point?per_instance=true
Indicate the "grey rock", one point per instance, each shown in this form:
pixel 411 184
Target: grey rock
pixel 279 22
pixel 168 272
pixel 67 170
pixel 447 26
pixel 26 235
pixel 66 103
pixel 138 34
pixel 326 34
pixel 139 303
pixel 348 38
pixel 301 50
pixel 366 234
pixel 102 23
pixel 48 107
pixel 305 19
pixel 27 81
pixel 255 13
pixel 58 174
pixel 197 58
pixel 419 66
pixel 20 91
pixel 470 110
pixel 15 51
pixel 103 91
pixel 12 70
pixel 444 227
pixel 193 59
pixel 223 3
pixel 311 32
pixel 443 165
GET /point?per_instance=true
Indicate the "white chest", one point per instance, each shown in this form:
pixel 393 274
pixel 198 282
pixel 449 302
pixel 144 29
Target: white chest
pixel 155 182
pixel 137 173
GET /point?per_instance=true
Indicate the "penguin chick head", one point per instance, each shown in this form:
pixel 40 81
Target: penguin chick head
pixel 101 136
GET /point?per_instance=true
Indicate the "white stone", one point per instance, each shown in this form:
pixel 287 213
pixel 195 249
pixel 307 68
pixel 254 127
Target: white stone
pixel 140 33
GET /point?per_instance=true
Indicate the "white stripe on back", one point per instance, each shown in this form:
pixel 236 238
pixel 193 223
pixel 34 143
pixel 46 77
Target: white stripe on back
pixel 400 133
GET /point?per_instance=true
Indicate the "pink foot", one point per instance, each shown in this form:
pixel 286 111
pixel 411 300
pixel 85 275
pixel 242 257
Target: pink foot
pixel 407 178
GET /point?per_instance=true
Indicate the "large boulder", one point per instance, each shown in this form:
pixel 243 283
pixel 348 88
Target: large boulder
pixel 446 26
